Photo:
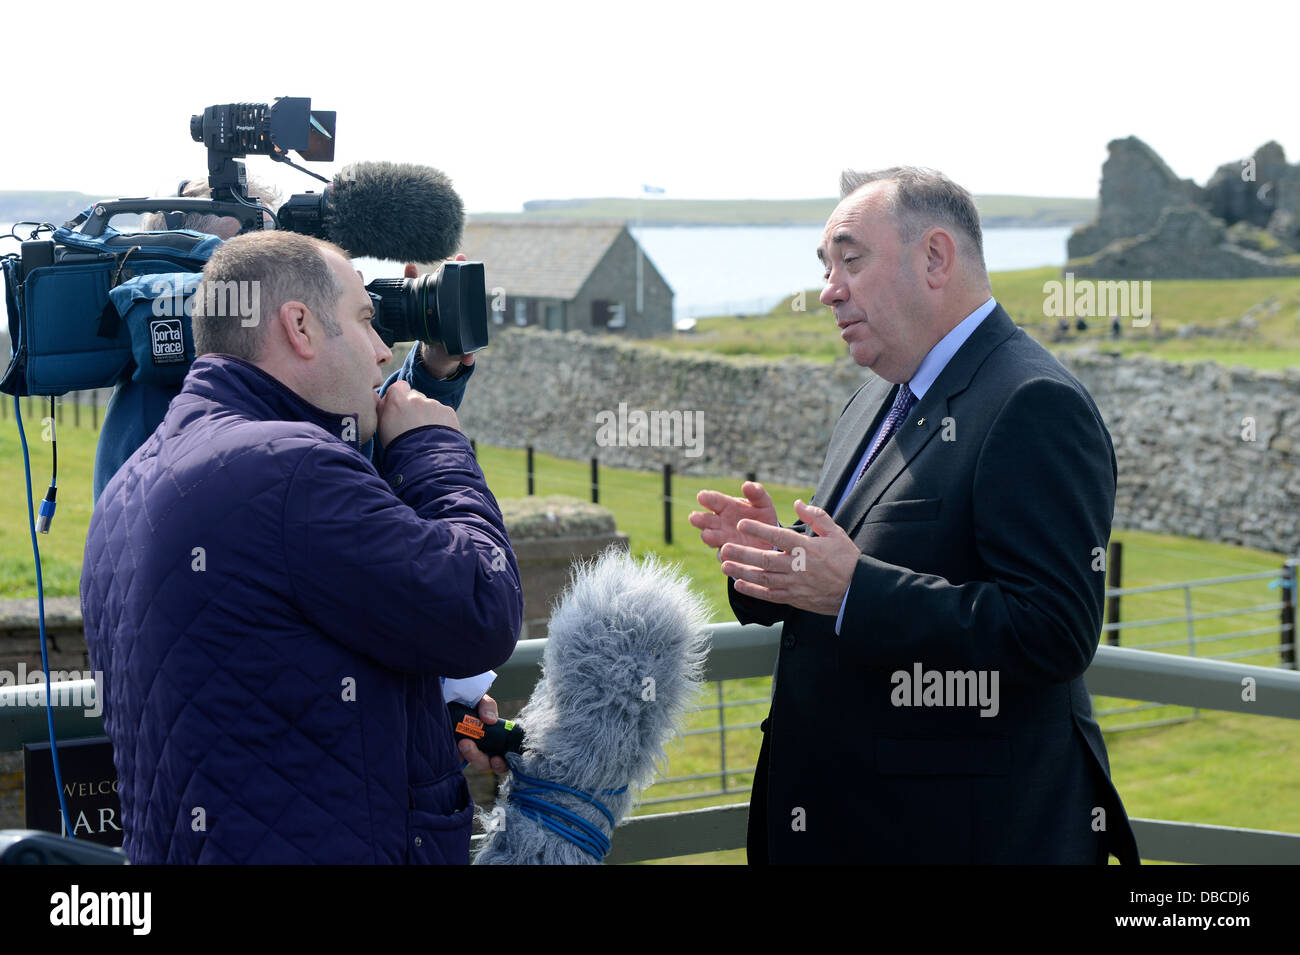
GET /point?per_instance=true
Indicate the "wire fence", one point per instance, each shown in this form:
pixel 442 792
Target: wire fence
pixel 1243 617
pixel 77 408
pixel 1219 618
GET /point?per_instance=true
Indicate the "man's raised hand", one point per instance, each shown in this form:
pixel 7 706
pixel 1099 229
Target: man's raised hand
pixel 810 572
pixel 403 409
pixel 718 526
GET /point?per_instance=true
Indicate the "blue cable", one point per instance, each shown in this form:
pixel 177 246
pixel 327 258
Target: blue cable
pixel 534 805
pixel 40 609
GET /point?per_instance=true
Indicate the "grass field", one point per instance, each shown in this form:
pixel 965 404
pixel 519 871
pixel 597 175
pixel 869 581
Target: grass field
pixel 1221 768
pixel 803 327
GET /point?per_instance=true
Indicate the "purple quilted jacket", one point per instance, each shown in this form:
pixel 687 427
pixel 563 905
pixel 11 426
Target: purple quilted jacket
pixel 272 615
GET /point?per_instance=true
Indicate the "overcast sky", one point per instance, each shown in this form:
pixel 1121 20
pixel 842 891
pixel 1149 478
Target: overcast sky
pixel 706 100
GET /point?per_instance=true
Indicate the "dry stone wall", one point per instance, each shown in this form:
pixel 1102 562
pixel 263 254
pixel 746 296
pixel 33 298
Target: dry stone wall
pixel 1203 450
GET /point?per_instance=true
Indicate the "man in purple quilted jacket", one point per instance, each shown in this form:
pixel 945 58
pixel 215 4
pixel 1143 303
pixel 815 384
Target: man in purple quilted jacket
pixel 272 611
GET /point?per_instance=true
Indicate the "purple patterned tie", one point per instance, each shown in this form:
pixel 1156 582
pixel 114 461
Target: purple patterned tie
pixel 903 402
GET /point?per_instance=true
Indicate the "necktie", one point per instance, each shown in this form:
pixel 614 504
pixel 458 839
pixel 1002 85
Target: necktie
pixel 903 402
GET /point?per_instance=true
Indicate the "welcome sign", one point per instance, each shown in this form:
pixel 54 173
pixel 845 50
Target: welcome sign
pixel 89 788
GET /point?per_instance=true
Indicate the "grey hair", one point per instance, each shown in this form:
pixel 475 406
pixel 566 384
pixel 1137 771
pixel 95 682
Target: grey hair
pixel 269 269
pixel 205 222
pixel 923 198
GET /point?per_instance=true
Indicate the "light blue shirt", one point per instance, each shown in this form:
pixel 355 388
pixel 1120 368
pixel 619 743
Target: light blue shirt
pixel 934 362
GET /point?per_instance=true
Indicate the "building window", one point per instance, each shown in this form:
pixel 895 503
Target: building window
pixel 521 311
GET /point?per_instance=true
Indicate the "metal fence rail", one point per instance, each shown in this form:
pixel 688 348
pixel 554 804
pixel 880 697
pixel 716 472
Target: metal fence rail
pixel 1196 645
pixel 748 651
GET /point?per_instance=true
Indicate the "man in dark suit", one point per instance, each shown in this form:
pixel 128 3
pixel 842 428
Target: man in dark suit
pixel 942 594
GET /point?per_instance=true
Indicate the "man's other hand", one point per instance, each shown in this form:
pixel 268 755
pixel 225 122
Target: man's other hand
pixel 433 356
pixel 403 409
pixel 811 573
pixel 719 526
pixel 487 712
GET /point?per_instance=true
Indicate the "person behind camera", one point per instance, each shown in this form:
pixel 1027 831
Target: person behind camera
pixel 137 406
pixel 272 610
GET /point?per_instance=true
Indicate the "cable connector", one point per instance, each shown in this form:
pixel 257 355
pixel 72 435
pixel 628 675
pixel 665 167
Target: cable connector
pixel 47 511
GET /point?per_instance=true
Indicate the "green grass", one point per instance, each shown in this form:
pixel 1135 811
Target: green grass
pixel 789 331
pixel 1222 768
pixel 62 548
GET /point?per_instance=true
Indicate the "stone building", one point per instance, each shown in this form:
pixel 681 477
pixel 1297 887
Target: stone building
pixel 1244 223
pixel 569 276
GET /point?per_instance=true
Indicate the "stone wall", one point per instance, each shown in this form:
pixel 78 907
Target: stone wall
pixel 1184 465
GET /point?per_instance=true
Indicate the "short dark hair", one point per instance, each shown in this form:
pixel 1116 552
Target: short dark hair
pixel 277 267
pixel 922 198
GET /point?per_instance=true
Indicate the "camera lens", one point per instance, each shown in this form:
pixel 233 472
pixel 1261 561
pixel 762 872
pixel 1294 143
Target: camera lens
pixel 448 307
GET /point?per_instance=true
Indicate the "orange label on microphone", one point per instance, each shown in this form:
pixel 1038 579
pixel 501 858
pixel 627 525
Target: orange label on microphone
pixel 470 726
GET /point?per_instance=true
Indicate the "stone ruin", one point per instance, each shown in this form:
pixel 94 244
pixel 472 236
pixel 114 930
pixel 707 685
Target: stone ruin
pixel 1243 223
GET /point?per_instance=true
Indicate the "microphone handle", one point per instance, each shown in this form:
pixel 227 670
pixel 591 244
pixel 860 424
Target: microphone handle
pixel 503 736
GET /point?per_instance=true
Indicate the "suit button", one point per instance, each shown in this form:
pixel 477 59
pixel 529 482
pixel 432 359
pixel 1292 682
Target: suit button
pixel 787 640
pixel 418 842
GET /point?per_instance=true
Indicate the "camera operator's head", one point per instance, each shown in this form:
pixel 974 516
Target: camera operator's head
pixel 295 307
pixel 225 227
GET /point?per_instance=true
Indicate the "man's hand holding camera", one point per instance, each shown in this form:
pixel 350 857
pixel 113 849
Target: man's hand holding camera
pixel 432 354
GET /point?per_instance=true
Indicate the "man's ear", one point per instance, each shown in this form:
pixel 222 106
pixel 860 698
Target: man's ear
pixel 295 323
pixel 940 257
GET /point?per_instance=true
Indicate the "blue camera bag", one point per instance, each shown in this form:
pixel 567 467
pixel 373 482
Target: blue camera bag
pixel 81 322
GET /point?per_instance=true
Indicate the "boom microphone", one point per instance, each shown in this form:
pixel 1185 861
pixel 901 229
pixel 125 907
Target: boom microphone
pixel 624 656
pixel 401 212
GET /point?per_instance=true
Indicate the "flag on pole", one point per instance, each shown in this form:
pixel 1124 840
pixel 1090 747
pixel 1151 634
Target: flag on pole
pixel 652 190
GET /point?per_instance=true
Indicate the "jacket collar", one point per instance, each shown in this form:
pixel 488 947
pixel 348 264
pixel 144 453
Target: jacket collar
pixel 241 385
pixel 923 422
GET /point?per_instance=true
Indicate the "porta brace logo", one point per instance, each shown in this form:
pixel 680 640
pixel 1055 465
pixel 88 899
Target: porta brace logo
pixel 167 341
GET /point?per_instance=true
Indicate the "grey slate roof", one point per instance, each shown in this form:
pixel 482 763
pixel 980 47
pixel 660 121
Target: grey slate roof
pixel 539 259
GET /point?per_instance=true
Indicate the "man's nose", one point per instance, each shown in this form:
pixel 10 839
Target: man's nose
pixel 833 293
pixel 382 353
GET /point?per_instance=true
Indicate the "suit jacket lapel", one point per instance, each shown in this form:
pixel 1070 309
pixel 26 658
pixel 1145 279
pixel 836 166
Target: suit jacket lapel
pixel 923 422
pixel 858 424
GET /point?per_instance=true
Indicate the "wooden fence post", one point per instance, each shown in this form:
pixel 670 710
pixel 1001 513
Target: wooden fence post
pixel 1286 634
pixel 530 470
pixel 668 503
pixel 595 481
pixel 1114 579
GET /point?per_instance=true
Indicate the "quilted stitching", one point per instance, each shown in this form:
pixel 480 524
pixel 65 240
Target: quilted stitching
pixel 221 693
